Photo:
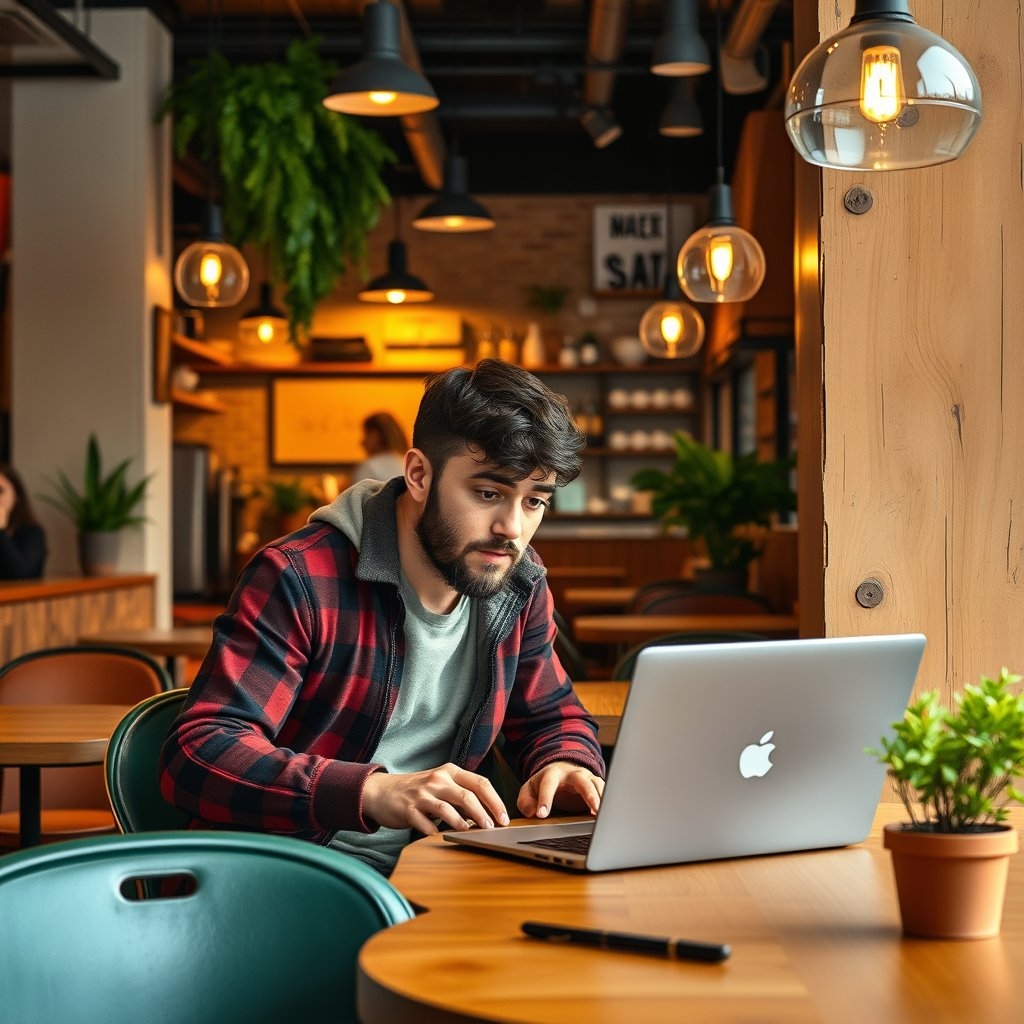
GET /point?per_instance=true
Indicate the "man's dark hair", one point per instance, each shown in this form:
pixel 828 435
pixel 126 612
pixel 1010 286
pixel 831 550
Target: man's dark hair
pixel 503 413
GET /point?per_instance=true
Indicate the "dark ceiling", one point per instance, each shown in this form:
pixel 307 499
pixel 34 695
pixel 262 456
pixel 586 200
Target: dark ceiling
pixel 511 78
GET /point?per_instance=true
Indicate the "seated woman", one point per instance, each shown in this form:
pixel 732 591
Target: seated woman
pixel 22 540
pixel 385 444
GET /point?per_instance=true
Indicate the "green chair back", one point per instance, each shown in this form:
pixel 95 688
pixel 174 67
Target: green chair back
pixel 255 928
pixel 130 766
pixel 626 665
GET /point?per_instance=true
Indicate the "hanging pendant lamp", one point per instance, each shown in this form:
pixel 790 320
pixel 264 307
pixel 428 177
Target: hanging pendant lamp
pixel 671 328
pixel 397 285
pixel 720 262
pixel 680 49
pixel 454 210
pixel 681 118
pixel 381 84
pixel 882 95
pixel 264 324
pixel 211 272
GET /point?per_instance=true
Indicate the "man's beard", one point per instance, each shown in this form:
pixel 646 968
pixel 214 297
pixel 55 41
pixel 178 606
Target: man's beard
pixel 439 538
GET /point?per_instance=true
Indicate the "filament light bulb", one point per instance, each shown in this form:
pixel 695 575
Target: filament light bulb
pixel 671 327
pixel 882 94
pixel 265 331
pixel 720 261
pixel 210 272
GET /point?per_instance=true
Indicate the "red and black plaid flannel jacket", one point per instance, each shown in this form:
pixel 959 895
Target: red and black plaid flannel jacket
pixel 280 727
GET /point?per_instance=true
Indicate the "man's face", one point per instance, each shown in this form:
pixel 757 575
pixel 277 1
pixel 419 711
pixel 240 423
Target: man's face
pixel 477 521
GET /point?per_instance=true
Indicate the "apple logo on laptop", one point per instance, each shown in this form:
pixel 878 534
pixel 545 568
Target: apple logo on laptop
pixel 755 758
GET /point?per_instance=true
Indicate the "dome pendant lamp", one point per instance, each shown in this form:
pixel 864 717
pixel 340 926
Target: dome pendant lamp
pixel 720 262
pixel 680 49
pixel 454 210
pixel 882 95
pixel 265 322
pixel 381 84
pixel 396 285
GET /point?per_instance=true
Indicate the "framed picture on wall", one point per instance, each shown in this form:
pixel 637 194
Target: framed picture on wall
pixel 318 421
pixel 631 246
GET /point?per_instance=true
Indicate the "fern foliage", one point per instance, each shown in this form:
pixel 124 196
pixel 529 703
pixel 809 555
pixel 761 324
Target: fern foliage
pixel 299 180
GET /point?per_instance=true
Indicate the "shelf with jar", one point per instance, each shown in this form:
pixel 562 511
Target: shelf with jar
pixel 629 415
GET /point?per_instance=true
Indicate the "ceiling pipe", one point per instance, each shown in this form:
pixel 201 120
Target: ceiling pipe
pixel 739 73
pixel 606 40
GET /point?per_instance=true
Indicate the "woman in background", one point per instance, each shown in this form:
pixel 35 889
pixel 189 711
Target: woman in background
pixel 385 444
pixel 22 540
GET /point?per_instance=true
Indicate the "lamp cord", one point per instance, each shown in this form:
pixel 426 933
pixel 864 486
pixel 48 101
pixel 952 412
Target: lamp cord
pixel 719 87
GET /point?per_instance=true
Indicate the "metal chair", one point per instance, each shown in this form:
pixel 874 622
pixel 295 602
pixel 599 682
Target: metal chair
pixel 74 800
pixel 626 665
pixel 204 927
pixel 130 767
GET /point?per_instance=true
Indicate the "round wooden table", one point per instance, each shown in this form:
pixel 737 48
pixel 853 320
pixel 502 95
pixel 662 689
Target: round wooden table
pixel 35 736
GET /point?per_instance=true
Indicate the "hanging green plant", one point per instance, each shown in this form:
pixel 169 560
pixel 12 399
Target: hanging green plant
pixel 298 179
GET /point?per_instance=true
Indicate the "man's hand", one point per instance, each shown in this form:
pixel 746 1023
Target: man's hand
pixel 449 793
pixel 571 786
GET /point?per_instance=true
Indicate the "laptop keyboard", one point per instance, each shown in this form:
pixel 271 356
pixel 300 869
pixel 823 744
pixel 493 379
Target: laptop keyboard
pixel 567 844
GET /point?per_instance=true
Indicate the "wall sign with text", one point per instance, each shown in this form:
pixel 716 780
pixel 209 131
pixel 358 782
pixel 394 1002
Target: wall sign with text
pixel 630 246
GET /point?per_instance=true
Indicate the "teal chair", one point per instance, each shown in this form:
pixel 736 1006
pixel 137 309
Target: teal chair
pixel 130 766
pixel 257 928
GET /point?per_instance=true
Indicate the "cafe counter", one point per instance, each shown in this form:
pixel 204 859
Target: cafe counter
pixel 58 610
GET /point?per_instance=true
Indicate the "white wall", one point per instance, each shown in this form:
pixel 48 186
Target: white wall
pixel 91 255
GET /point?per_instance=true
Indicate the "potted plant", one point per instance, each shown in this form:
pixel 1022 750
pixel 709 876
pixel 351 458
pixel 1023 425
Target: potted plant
pixel 101 509
pixel 954 770
pixel 713 494
pixel 289 499
pixel 299 180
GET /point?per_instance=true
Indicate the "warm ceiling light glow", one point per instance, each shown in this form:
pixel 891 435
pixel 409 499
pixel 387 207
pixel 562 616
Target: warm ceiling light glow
pixel 882 95
pixel 382 99
pixel 671 329
pixel 210 272
pixel 671 325
pixel 395 296
pixel 265 331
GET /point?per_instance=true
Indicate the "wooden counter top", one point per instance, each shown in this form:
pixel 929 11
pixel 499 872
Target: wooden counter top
pixel 12 591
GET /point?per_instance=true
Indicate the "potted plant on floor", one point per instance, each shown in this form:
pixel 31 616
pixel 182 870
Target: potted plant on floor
pixel 101 509
pixel 290 500
pixel 954 771
pixel 714 495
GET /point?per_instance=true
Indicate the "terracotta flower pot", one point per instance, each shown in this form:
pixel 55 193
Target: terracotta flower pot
pixel 951 885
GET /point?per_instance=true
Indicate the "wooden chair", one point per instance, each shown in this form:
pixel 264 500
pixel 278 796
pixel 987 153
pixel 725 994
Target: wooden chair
pixel 626 665
pixel 74 800
pixel 191 926
pixel 681 598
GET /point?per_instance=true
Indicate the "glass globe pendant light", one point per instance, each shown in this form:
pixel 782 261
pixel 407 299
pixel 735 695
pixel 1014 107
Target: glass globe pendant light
pixel 211 272
pixel 720 262
pixel 671 328
pixel 882 95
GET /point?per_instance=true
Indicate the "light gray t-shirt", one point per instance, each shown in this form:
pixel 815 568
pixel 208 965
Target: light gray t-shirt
pixel 437 680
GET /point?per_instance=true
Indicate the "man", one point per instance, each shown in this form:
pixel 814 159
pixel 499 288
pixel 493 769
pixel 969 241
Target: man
pixel 367 663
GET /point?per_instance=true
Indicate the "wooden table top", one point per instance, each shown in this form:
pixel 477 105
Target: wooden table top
pixel 814 937
pixel 598 597
pixel 634 629
pixel 56 734
pixel 179 641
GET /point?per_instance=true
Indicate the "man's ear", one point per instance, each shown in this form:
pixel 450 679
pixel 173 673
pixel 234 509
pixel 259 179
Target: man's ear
pixel 418 474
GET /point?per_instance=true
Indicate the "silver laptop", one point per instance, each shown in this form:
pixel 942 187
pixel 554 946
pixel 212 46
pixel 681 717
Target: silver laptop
pixel 732 750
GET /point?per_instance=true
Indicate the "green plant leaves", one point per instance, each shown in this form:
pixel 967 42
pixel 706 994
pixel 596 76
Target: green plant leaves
pixel 712 493
pixel 299 180
pixel 954 769
pixel 105 502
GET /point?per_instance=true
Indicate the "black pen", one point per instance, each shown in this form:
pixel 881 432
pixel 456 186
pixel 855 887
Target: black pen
pixel 672 949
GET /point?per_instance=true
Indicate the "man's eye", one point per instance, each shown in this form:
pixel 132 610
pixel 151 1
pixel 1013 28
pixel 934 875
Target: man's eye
pixel 536 504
